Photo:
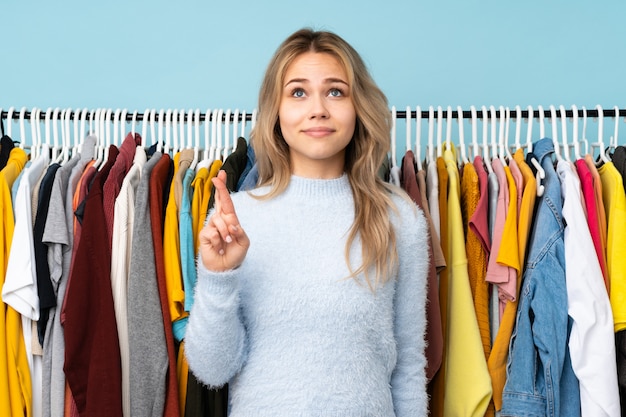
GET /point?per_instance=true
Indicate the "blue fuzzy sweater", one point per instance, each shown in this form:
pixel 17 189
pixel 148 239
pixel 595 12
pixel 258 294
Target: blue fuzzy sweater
pixel 291 335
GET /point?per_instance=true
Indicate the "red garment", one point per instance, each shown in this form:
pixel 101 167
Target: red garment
pixel 92 357
pixel 589 195
pixel 113 183
pixel 434 332
pixel 160 180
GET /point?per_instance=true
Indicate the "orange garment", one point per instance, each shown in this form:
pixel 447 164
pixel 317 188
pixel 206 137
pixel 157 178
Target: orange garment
pixel 500 350
pixel 437 385
pixel 476 257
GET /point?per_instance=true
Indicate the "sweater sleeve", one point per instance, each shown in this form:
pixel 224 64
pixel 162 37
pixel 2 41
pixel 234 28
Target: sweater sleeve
pixel 215 342
pixel 408 381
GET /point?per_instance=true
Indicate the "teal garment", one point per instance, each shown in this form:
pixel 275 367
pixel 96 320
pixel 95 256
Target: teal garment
pixel 187 255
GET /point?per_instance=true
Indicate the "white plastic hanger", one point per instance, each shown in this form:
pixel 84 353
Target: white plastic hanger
pixel 529 131
pixel 107 124
pixel 213 147
pixel 243 124
pixel 449 145
pixel 57 151
pixel 144 127
pixel 503 124
pixel 116 126
pixel 566 148
pixel 418 137
pixel 22 129
pixel 159 125
pixel 393 137
pixel 133 127
pixel 459 118
pixel 94 123
pixel 408 128
pixel 235 130
pixel 584 135
pixel 9 121
pixel 123 117
pixel 189 129
pixel 81 133
pixel 431 127
pixel 475 147
pixel 600 143
pixel 47 118
pixel 494 141
pixel 226 134
pixel 220 132
pixel 555 134
pixel 507 123
pixel 486 158
pixel 67 137
pixel 613 141
pixel 439 130
pixel 153 135
pixel 518 127
pixel 575 139
pixel 196 144
pixel 167 121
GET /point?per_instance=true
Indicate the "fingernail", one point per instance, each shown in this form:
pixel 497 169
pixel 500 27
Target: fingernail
pixel 221 251
pixel 228 239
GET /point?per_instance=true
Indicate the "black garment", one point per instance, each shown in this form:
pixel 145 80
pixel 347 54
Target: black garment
pixel 6 145
pixel 202 401
pixel 45 289
pixel 234 165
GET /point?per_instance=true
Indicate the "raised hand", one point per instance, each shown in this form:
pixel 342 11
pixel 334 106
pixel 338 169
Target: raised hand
pixel 223 243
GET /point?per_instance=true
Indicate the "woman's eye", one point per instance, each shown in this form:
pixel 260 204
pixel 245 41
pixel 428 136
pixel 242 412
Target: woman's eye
pixel 298 93
pixel 335 92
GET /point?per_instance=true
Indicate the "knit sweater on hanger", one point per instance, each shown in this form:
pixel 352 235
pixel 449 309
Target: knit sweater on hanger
pixel 291 334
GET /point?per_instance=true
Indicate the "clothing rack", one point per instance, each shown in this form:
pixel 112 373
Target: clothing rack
pixel 400 114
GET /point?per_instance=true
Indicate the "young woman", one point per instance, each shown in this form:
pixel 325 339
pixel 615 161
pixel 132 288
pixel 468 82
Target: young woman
pixel 311 288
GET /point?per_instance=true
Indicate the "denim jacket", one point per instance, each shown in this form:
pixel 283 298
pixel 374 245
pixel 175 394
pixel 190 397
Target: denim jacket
pixel 540 378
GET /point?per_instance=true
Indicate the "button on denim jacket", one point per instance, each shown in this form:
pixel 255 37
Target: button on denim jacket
pixel 540 378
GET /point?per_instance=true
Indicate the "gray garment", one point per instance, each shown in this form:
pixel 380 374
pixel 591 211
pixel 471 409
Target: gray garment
pixel 58 235
pixel 149 361
pixel 494 304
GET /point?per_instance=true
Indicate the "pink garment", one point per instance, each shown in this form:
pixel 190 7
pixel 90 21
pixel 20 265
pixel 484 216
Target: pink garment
pixel 479 222
pixel 504 276
pixel 589 195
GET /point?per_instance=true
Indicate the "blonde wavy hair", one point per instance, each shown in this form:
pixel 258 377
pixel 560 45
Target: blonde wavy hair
pixel 364 154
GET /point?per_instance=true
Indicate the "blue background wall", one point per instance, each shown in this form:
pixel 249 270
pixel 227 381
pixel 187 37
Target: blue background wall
pixel 203 54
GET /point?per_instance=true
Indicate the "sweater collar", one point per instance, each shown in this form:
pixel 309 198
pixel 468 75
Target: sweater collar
pixel 313 187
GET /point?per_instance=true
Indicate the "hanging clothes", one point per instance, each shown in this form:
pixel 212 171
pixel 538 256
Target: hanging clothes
pixel 591 340
pixel 541 344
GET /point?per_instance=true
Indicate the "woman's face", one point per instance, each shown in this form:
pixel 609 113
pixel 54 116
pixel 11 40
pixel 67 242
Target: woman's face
pixel 316 115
